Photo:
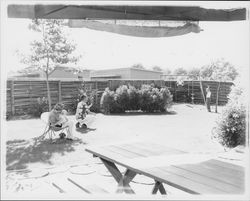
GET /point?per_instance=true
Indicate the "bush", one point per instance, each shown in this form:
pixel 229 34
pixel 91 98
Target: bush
pixel 147 99
pixel 109 102
pixel 134 98
pixel 39 107
pixel 72 106
pixel 231 126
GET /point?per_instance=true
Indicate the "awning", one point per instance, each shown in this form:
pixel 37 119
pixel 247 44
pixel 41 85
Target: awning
pixel 137 31
pixel 128 12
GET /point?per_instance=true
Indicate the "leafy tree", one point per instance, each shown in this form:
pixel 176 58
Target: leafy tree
pixel 157 68
pixel 52 48
pixel 180 71
pixel 167 71
pixel 221 71
pixel 139 66
pixel 194 73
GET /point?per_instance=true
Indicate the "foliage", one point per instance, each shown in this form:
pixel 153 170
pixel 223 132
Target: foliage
pixel 157 68
pixel 219 70
pixel 72 106
pixel 167 71
pixel 146 99
pixel 108 103
pixel 40 106
pixel 194 73
pixel 122 98
pixel 50 49
pixel 139 66
pixel 231 126
pixel 134 98
pixel 180 71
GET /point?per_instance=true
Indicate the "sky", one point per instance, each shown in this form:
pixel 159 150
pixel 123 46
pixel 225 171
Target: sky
pixel 103 50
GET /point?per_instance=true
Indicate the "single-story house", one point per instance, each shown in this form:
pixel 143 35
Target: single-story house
pixel 125 73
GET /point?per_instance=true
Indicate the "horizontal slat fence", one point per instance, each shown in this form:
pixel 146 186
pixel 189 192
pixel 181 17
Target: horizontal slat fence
pixel 192 89
pixel 22 94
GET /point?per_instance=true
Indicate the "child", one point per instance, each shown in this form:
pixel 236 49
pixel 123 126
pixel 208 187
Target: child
pixel 57 118
pixel 82 111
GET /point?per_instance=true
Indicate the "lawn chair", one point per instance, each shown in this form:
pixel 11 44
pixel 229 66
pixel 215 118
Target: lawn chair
pixel 50 130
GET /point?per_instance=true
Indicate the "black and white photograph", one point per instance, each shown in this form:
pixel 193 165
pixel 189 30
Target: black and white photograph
pixel 137 100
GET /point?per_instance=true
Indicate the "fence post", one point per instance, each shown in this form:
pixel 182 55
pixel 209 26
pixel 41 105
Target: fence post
pixel 12 101
pixel 59 91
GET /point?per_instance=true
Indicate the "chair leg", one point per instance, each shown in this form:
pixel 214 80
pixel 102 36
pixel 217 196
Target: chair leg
pixel 46 130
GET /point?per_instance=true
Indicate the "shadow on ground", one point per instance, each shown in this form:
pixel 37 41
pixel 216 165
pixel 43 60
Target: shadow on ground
pixel 22 152
pixel 85 130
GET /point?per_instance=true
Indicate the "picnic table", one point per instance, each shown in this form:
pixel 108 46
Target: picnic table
pixel 192 173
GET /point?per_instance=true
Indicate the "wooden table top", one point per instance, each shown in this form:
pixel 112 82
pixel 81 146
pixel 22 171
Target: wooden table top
pixel 191 173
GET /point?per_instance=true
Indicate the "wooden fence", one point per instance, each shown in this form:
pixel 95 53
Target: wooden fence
pixel 22 94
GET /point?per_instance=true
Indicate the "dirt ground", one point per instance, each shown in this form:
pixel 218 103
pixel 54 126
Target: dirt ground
pixel 33 169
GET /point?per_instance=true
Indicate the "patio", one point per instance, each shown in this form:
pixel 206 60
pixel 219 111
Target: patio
pixel 48 167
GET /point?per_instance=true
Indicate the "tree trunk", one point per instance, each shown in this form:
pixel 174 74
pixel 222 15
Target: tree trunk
pixel 48 91
pixel 202 91
pixel 217 97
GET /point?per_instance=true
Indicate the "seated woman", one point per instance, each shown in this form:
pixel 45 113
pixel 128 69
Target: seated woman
pixel 81 112
pixel 57 118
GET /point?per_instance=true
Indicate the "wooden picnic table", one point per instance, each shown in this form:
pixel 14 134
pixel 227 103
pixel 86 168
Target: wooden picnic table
pixel 191 173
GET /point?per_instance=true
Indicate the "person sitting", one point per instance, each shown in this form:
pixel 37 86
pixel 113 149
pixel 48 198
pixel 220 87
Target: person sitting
pixel 81 112
pixel 57 118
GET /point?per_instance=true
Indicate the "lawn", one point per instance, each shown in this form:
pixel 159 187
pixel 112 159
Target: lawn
pixel 186 127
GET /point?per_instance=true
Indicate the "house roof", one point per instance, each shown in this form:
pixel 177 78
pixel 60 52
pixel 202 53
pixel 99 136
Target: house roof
pixel 127 68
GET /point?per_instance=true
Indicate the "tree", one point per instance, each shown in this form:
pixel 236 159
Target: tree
pixel 221 71
pixel 194 73
pixel 180 71
pixel 139 66
pixel 167 71
pixel 157 68
pixel 52 48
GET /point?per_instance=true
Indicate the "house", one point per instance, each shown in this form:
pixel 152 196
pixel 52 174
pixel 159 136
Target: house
pixel 125 73
pixel 69 73
pixel 58 73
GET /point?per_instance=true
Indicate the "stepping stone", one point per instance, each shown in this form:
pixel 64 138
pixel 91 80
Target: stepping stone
pixel 82 170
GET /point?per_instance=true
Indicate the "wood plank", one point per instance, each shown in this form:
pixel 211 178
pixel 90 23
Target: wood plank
pixel 226 165
pixel 180 182
pixel 150 150
pixel 203 179
pixel 105 153
pixel 208 172
pixel 164 149
pixel 123 152
pixel 112 169
pixel 226 170
pixel 141 149
pixel 94 189
pixel 159 186
pixel 79 186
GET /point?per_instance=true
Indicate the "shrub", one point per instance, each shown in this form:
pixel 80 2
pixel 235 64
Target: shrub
pixel 147 99
pixel 122 98
pixel 72 106
pixel 231 126
pixel 39 107
pixel 134 98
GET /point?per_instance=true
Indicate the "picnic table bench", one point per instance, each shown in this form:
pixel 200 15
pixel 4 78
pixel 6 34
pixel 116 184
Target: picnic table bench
pixel 191 173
